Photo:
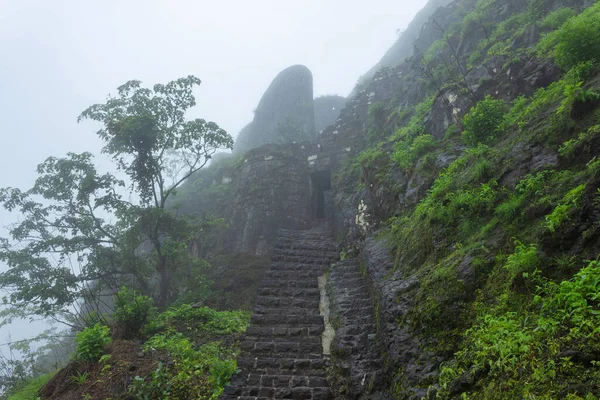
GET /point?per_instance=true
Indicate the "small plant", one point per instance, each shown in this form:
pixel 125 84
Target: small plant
pixel 483 122
pixel 421 144
pixel 562 211
pixel 91 342
pixel 157 386
pixel 523 260
pixel 80 378
pixel 571 147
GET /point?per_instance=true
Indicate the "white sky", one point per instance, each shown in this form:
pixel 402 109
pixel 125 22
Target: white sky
pixel 57 57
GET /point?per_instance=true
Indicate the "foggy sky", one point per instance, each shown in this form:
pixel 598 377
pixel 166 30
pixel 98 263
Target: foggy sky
pixel 59 57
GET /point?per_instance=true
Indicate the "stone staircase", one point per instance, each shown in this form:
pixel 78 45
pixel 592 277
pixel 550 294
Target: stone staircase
pixel 282 353
pixel 357 361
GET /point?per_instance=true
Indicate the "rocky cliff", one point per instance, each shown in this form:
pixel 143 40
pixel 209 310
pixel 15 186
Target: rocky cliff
pixel 284 114
pixel 462 186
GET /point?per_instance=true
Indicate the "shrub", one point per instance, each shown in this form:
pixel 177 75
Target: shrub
pixel 557 18
pixel 91 342
pixel 483 122
pixel 421 145
pixel 578 40
pixel 133 312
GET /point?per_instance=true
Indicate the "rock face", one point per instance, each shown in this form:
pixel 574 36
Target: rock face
pixel 283 353
pixel 327 110
pixel 404 46
pixel 378 346
pixel 270 191
pixel 285 113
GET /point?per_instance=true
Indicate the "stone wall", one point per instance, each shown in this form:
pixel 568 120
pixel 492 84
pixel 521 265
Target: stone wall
pixel 270 191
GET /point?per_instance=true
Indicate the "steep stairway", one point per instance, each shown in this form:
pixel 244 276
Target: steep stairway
pixel 282 351
pixel 358 362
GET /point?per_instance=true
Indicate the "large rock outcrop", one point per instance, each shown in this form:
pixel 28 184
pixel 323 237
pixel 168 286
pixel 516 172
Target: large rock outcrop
pixel 285 113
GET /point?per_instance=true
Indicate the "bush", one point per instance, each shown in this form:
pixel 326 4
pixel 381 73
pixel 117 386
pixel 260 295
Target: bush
pixel 203 319
pixel 483 122
pixel 133 312
pixel 91 342
pixel 557 18
pixel 421 145
pixel 578 40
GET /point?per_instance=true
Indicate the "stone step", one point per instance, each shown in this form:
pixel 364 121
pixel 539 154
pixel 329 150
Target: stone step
pixel 291 274
pixel 283 364
pixel 297 312
pixel 286 331
pixel 308 283
pixel 301 259
pixel 290 349
pixel 333 255
pixel 293 266
pixel 295 244
pixel 282 353
pixel 283 302
pixel 308 293
pixel 290 320
pixel 259 393
pixel 285 381
pixel 302 340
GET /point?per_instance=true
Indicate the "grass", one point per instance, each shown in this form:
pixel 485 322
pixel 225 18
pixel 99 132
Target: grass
pixel 32 387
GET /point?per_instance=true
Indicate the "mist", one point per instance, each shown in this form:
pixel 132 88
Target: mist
pixel 60 57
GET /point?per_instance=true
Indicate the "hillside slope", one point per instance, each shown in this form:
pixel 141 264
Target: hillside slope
pixel 474 204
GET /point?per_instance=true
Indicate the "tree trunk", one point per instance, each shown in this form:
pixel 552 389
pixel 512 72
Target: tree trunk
pixel 164 283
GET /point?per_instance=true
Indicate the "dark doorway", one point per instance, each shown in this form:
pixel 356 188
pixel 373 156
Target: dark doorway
pixel 322 201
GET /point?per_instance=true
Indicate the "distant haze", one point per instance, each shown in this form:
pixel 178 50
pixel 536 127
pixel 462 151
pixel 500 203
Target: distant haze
pixel 58 57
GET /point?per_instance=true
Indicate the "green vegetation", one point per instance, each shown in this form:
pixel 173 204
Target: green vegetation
pixel 567 205
pixel 91 343
pixel 557 18
pixel 577 39
pixel 483 122
pixel 198 371
pixel 81 215
pixel 524 353
pixel 203 319
pixel 31 388
pixel 501 246
pixel 132 312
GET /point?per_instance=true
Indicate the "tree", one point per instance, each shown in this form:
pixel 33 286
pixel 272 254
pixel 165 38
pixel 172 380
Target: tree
pixel 77 225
